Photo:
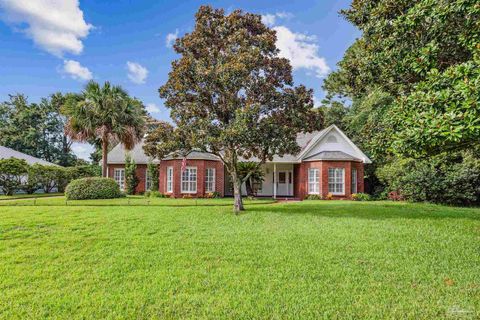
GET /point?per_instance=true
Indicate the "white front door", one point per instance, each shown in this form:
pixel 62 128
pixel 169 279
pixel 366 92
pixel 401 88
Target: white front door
pixel 285 183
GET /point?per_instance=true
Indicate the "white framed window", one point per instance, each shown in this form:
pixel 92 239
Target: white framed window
pixel 189 180
pixel 336 181
pixel 313 181
pixel 169 179
pixel 148 180
pixel 354 180
pixel 119 177
pixel 210 180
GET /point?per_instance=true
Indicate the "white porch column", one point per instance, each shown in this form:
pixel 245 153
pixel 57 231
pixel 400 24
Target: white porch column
pixel 274 181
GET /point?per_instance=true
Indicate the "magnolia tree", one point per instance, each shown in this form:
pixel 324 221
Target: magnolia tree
pixel 231 94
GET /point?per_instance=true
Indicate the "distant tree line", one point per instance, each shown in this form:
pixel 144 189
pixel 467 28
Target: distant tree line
pixel 16 175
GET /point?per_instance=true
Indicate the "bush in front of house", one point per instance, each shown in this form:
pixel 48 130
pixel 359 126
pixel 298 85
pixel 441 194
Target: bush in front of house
pixel 313 197
pixel 12 173
pixel 361 197
pixel 448 178
pixel 155 194
pixel 93 188
pixel 213 195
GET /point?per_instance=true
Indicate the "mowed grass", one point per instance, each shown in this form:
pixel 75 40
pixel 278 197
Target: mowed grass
pixel 130 201
pixel 35 195
pixel 314 259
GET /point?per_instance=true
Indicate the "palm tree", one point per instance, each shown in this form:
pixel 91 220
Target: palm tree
pixel 106 114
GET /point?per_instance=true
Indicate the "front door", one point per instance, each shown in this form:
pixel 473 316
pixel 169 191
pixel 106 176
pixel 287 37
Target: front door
pixel 285 183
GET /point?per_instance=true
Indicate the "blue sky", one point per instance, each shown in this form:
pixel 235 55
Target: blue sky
pixel 57 45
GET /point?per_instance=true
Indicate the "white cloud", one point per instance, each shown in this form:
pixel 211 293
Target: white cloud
pixel 136 72
pixel 269 19
pixel 171 37
pixel 76 70
pixel 152 108
pixel 82 150
pixel 301 51
pixel 57 26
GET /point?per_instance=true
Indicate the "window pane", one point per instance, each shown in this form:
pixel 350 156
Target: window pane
pixel 281 177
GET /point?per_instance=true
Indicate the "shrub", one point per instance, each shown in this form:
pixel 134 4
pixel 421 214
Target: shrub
pixel 12 170
pixel 450 179
pixel 313 197
pixel 156 194
pixel 152 171
pixel 50 177
pixel 93 188
pixel 329 196
pixel 212 195
pixel 31 184
pixel 131 179
pixel 361 197
pixel 84 171
pixel 187 196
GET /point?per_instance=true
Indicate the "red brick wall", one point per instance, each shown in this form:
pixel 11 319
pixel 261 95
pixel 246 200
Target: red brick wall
pixel 301 177
pixel 177 176
pixel 140 172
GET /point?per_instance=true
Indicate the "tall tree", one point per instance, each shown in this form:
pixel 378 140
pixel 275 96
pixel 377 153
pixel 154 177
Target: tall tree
pixel 106 113
pixel 425 55
pixel 230 94
pixel 36 129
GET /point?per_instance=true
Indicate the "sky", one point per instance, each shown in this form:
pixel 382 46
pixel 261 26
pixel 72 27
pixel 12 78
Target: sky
pixel 49 46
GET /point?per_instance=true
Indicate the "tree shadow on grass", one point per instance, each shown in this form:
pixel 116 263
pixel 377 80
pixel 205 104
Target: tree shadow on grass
pixel 375 210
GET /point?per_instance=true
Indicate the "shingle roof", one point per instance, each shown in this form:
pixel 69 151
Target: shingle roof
pixel 332 155
pixel 6 153
pixel 304 140
pixel 117 154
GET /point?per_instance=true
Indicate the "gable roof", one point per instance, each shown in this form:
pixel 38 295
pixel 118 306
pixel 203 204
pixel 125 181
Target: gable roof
pixel 306 142
pixel 117 154
pixel 332 155
pixel 6 153
pixel 333 128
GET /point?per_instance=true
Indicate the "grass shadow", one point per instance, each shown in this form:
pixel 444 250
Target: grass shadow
pixel 376 210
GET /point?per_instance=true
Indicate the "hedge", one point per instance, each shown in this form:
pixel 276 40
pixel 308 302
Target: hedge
pixel 93 188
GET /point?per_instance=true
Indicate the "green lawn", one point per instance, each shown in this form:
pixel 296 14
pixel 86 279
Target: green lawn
pixel 314 259
pixel 130 201
pixel 24 195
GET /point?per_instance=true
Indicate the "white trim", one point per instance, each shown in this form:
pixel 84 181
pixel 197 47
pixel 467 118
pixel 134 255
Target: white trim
pixel 146 180
pixel 189 182
pixel 121 185
pixel 342 193
pixel 354 185
pixel 322 134
pixel 213 179
pixel 169 177
pixel 317 183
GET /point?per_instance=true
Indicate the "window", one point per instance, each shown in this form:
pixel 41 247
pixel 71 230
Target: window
pixel 354 180
pixel 189 180
pixel 148 180
pixel 169 179
pixel 282 177
pixel 119 177
pixel 336 181
pixel 210 180
pixel 313 181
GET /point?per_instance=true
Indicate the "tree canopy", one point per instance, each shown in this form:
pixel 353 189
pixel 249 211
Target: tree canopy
pixel 425 55
pixel 232 95
pixel 106 114
pixel 36 129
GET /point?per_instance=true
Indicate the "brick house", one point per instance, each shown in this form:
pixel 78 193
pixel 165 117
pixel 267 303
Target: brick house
pixel 329 162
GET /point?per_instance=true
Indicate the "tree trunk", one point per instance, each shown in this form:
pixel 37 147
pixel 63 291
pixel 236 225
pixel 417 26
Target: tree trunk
pixel 237 193
pixel 104 157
